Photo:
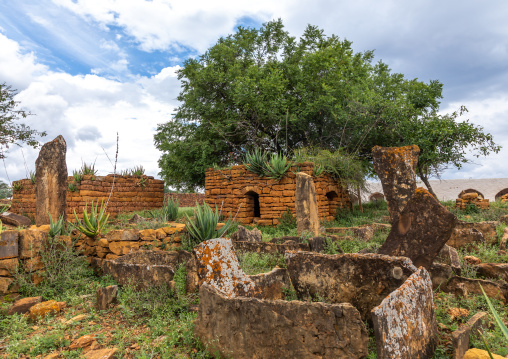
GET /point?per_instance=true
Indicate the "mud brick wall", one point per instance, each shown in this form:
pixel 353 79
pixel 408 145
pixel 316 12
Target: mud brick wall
pixel 263 200
pixel 186 199
pixel 129 194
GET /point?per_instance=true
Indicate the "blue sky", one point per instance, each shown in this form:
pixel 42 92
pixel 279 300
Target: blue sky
pixel 91 68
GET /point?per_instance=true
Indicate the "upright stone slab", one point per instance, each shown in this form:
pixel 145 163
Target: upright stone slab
pixel 363 280
pixel 405 323
pixel 421 231
pixel 245 328
pixel 9 244
pixel 307 215
pixel 395 167
pixel 51 182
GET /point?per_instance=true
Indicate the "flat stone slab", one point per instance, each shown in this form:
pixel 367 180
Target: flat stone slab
pixel 23 305
pixel 493 270
pixel 9 244
pixel 460 337
pixel 472 286
pixel 15 219
pixel 245 328
pixel 405 323
pixel 363 280
pixel 421 231
pixel 149 268
pixel 267 247
pixel 218 266
pixel 465 237
pixel 486 228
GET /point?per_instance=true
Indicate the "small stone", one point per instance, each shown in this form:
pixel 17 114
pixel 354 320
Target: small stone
pixel 22 306
pixel 14 219
pixel 76 319
pixel 43 309
pixel 244 235
pixel 472 260
pixel 480 354
pixel 107 353
pixel 82 342
pixel 106 296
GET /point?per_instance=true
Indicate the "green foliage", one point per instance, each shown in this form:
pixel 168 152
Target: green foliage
pixel 204 225
pixel 32 177
pixel 471 208
pixel 168 212
pixel 17 186
pixel 331 247
pixel 5 190
pixel 56 228
pixel 87 169
pixel 94 223
pixel 496 316
pixel 255 263
pixel 255 161
pixel 262 88
pixel 12 132
pixel 277 167
pixel 72 187
pixel 78 176
pixel 135 171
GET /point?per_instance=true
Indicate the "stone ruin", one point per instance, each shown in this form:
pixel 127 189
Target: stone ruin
pixel 471 198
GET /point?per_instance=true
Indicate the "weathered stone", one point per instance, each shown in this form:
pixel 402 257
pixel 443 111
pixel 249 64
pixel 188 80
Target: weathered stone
pixel 148 268
pixel 242 234
pixel 23 305
pixel 147 235
pixel 465 238
pixel 218 266
pixel 449 255
pixel 8 267
pixel 122 248
pixel 504 240
pixel 365 233
pixel 318 244
pixel 245 328
pixel 472 260
pixel 43 309
pixel 107 353
pixel 51 182
pixel 268 247
pixel 106 296
pixel 272 284
pixel 493 270
pixel 6 286
pixel 137 219
pixel 460 337
pixel 472 286
pixel 395 167
pixel 348 277
pixel 117 235
pixel 307 217
pixel 405 323
pixel 440 273
pixel 30 242
pixel 9 244
pixel 486 228
pixel 82 342
pixel 14 219
pixel 76 319
pixel 421 230
pixel 480 354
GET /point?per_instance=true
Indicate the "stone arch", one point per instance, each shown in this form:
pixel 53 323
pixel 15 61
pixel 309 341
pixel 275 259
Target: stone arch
pixel 501 193
pixel 470 190
pixel 376 196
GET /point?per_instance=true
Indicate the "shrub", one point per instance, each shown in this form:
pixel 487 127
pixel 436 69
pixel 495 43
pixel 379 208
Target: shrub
pixel 92 224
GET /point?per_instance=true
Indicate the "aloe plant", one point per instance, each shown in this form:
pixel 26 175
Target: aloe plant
pixel 56 228
pixel 277 166
pixel 255 161
pixel 204 225
pixel 168 212
pixel 94 223
pixel 498 321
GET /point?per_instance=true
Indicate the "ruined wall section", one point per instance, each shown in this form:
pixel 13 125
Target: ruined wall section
pixel 186 199
pixel 264 200
pixel 129 194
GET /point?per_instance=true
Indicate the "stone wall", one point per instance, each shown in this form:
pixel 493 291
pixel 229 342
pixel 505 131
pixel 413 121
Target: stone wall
pixel 263 200
pixel 129 194
pixel 186 199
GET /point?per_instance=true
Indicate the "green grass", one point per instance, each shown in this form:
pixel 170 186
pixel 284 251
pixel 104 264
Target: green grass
pixel 255 263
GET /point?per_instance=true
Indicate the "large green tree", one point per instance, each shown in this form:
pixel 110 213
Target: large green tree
pixel 264 88
pixel 11 131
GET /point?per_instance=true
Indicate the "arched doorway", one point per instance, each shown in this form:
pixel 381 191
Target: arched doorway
pixel 501 194
pixel 252 204
pixel 471 190
pixel 333 203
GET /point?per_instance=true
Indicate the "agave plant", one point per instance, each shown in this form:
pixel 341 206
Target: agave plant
pixel 497 319
pixel 168 212
pixel 92 224
pixel 78 176
pixel 87 169
pixel 277 166
pixel 56 228
pixel 204 225
pixel 255 161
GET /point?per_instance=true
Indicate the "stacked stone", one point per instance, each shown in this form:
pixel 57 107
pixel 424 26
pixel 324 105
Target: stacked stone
pixel 117 243
pixel 186 199
pixel 233 190
pixel 129 194
pixel 504 198
pixel 474 198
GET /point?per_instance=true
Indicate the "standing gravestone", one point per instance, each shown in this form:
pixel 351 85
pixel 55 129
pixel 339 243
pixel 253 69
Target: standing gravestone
pixel 307 216
pixel 395 167
pixel 421 230
pixel 51 182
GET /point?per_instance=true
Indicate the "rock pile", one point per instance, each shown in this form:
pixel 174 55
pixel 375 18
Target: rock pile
pixel 471 199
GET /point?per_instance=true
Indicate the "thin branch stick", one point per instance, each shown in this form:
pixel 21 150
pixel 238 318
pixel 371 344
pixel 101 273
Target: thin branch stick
pixel 114 172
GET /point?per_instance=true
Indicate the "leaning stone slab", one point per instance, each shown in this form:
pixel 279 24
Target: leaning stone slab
pixel 449 255
pixel 421 231
pixel 267 247
pixel 23 305
pixel 405 323
pixel 307 214
pixel 9 244
pixel 493 270
pixel 465 237
pixel 245 328
pixel 395 167
pixel 486 228
pixel 51 182
pixel 148 268
pixel 14 219
pixel 440 273
pixel 363 280
pixel 242 234
pixel 272 284
pixel 472 286
pixel 460 337
pixel 106 296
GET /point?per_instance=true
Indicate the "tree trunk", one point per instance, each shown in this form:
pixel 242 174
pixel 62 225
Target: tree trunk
pixel 425 179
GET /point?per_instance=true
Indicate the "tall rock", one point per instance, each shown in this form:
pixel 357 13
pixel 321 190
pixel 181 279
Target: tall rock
pixel 51 181
pixel 395 167
pixel 307 215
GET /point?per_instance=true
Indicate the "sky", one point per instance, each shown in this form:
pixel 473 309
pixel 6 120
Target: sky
pixel 89 69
